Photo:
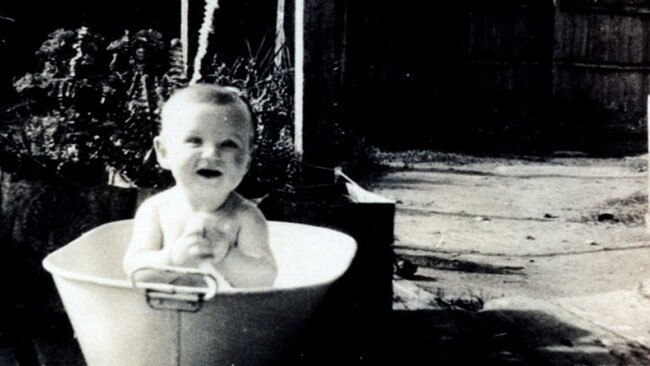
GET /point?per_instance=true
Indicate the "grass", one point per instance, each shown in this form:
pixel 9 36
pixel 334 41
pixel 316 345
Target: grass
pixel 628 211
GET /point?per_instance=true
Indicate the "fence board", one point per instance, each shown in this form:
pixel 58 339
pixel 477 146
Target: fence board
pixel 602 38
pixel 475 57
pixel 521 35
pixel 602 55
pixel 629 7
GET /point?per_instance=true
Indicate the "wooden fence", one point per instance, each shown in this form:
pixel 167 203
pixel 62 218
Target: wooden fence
pixel 504 70
pixel 603 52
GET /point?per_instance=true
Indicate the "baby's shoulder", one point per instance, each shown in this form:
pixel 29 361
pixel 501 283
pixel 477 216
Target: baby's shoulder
pixel 158 201
pixel 247 211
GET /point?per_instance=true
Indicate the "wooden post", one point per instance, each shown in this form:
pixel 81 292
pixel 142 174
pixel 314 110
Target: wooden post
pixel 554 52
pixel 322 38
pixel 647 214
pixel 280 38
pixel 185 13
pixel 299 54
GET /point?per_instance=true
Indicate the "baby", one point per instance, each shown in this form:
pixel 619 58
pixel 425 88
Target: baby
pixel 206 142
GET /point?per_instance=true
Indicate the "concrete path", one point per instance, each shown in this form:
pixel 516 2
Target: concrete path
pixel 554 251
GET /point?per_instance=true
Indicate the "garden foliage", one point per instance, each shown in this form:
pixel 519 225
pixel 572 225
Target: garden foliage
pixel 94 106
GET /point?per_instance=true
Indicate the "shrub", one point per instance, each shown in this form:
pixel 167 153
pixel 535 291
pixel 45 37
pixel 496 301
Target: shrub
pixel 95 105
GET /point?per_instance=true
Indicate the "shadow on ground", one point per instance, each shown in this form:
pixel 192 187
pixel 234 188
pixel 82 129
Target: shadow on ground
pixel 458 338
pixel 504 337
pixel 401 337
pixel 437 262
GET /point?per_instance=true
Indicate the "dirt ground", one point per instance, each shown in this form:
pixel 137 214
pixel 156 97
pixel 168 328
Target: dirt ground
pixel 503 227
pixel 484 231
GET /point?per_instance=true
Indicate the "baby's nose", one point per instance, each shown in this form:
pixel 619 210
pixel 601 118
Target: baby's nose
pixel 211 152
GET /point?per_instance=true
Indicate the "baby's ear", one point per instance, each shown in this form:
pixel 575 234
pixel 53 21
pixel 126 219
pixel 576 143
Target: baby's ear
pixel 250 159
pixel 161 151
pixel 248 164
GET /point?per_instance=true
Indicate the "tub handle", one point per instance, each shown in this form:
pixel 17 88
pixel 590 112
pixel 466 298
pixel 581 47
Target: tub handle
pixel 167 296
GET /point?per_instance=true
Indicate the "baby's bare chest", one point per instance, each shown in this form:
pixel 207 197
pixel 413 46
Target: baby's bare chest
pixel 220 226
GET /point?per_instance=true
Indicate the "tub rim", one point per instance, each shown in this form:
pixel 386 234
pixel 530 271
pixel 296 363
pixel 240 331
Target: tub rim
pixel 57 271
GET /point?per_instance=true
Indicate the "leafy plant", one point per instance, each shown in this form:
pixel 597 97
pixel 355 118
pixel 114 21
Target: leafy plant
pixel 269 89
pixel 44 129
pixel 95 105
pixel 89 107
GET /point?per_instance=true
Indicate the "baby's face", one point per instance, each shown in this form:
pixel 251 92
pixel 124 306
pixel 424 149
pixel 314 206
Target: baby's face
pixel 207 148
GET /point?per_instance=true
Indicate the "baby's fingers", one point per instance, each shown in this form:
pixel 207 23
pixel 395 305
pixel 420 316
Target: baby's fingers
pixel 202 251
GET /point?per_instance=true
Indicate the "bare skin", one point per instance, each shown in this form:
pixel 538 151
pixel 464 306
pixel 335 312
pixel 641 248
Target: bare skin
pixel 201 222
pixel 230 244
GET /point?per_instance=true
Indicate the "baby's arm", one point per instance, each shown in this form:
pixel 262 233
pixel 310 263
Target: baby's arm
pixel 145 248
pixel 250 263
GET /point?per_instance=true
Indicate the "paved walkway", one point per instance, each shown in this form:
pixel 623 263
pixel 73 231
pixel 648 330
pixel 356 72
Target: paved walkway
pixel 553 251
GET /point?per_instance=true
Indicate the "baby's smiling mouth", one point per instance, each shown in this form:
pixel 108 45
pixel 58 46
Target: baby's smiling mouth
pixel 209 173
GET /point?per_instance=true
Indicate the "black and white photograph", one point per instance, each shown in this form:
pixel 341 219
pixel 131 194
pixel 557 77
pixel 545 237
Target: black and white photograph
pixel 324 182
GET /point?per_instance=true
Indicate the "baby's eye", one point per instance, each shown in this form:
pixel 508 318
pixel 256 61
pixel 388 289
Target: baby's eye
pixel 193 140
pixel 229 144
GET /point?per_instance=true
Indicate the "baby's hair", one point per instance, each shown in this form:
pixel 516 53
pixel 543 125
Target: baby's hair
pixel 212 95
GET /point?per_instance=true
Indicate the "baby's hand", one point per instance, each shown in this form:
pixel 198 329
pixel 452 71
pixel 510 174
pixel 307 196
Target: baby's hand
pixel 204 238
pixel 191 250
